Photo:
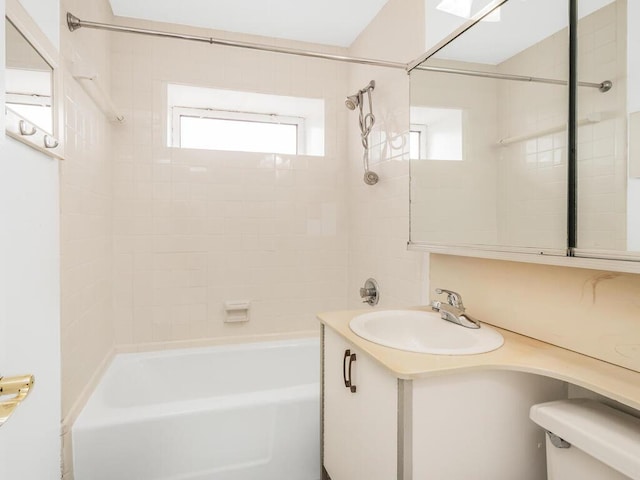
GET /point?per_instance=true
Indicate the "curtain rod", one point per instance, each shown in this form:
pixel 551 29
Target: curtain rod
pixel 603 86
pixel 74 23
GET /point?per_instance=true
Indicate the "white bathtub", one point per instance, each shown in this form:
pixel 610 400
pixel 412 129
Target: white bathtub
pixel 233 412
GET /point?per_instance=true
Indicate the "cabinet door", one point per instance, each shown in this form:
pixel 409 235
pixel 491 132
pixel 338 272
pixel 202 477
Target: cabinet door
pixel 481 418
pixel 360 428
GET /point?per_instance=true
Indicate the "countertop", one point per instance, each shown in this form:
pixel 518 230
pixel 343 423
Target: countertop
pixel 519 353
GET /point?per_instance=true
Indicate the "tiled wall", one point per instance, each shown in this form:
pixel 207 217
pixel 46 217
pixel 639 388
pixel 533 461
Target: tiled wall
pixel 533 194
pixel 194 228
pixel 511 194
pixel 455 202
pixel 602 146
pixel 379 214
pixel 86 220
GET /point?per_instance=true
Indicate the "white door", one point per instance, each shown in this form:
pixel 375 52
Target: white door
pixel 29 303
pixel 30 285
pixel 29 310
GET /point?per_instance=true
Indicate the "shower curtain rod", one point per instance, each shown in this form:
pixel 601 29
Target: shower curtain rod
pixel 603 86
pixel 74 23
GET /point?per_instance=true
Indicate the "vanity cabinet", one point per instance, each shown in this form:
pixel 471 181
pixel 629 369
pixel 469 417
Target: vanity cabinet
pixel 470 424
pixel 360 423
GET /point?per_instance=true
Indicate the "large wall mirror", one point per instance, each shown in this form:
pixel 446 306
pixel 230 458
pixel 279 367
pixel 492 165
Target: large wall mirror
pixel 489 144
pixel 30 87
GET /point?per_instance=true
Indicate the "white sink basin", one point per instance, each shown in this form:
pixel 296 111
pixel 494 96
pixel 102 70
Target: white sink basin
pixel 424 332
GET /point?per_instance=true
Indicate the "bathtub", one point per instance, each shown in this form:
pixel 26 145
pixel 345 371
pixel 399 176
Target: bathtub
pixel 233 412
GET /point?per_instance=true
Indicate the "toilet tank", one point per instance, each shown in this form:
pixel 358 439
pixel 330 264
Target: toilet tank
pixel 605 442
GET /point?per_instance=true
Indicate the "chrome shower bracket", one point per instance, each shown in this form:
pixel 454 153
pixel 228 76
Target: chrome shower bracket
pixel 370 293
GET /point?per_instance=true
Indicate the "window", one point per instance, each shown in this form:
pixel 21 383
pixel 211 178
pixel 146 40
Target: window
pixel 213 119
pixel 436 133
pixel 417 141
pixel 238 131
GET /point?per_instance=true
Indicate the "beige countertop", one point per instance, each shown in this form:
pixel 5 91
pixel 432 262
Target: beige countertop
pixel 519 353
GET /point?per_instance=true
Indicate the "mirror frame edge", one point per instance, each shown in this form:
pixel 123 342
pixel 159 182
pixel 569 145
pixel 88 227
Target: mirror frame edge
pixel 620 264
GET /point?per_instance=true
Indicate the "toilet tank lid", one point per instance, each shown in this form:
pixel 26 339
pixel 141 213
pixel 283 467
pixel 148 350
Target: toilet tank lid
pixel 607 434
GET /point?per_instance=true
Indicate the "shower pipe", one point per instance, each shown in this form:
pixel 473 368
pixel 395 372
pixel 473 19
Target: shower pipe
pixel 366 122
pixel 74 23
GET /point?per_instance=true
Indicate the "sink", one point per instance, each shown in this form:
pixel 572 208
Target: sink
pixel 424 332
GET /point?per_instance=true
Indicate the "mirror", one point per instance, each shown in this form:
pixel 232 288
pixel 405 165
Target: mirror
pixel 28 81
pixel 493 171
pixel 488 144
pixel 608 167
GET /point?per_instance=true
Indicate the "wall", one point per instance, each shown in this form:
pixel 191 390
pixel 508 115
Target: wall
pixel 86 205
pixel 588 311
pixel 46 13
pixel 195 228
pixel 29 298
pixel 456 202
pixel 379 214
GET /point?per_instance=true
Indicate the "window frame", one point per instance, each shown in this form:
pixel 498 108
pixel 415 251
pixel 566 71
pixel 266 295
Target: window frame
pixel 215 114
pixel 421 130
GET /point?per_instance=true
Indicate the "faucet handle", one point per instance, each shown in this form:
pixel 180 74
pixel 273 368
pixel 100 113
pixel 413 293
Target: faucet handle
pixel 453 298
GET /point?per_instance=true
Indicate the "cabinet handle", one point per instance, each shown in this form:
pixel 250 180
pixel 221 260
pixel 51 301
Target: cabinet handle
pixel 347 379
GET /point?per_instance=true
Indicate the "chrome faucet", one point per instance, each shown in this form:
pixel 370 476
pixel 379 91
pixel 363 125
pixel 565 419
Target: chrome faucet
pixel 453 310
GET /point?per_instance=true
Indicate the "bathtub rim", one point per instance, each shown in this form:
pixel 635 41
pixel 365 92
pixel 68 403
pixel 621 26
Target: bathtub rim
pixel 81 400
pixel 97 413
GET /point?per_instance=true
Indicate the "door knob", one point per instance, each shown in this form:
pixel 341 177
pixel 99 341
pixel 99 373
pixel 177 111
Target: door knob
pixel 19 387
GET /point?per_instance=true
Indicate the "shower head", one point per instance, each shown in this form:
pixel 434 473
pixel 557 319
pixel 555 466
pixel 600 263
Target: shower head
pixel 355 100
pixel 371 178
pixel 352 101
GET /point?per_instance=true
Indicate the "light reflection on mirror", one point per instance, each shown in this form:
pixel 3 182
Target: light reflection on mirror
pixel 435 134
pixel 444 16
pixel 28 80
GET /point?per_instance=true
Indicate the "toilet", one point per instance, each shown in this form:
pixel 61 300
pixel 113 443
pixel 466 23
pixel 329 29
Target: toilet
pixel 587 440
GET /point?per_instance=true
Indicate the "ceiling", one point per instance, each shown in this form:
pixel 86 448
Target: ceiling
pixel 329 22
pixel 523 23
